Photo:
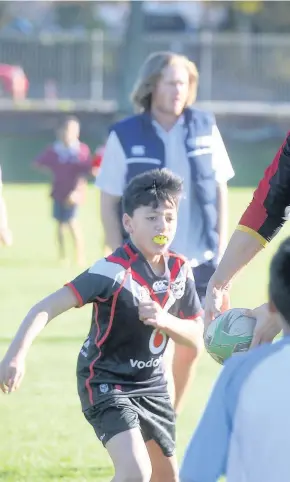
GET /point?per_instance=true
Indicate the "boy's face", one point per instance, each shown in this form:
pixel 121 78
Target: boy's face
pixel 70 134
pixel 149 226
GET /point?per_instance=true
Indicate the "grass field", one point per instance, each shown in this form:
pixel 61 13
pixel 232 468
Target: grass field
pixel 43 435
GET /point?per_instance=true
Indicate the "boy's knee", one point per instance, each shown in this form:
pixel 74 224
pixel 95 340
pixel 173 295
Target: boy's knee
pixel 134 472
pixel 165 477
pixel 135 476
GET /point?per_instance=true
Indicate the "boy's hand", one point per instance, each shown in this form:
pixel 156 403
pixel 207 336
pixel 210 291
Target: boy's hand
pixel 152 314
pixel 267 327
pixel 11 374
pixel 73 198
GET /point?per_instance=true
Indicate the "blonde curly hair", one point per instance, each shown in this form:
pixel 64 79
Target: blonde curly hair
pixel 151 71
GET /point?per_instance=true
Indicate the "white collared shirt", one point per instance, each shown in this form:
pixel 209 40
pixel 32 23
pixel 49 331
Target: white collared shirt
pixel 67 153
pixel 189 239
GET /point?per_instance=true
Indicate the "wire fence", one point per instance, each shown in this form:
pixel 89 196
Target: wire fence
pixel 233 67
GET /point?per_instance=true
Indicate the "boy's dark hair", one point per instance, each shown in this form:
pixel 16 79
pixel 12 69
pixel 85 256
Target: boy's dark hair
pixel 279 286
pixel 152 188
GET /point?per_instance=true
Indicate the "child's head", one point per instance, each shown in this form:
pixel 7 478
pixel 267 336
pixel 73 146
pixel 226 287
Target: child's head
pixel 69 130
pixel 279 286
pixel 150 204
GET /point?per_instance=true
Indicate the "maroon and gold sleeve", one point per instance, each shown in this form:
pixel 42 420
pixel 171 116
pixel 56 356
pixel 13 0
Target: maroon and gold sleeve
pixel 265 215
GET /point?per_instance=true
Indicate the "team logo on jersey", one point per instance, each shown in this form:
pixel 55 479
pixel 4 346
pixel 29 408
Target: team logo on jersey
pixel 160 286
pixel 157 341
pixel 178 288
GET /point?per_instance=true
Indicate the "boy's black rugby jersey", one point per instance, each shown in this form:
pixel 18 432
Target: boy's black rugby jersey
pixel 121 354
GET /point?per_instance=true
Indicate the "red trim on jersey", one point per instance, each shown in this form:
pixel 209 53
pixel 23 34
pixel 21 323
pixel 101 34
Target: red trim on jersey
pixel 100 342
pixel 178 256
pixel 76 293
pixel 256 214
pixel 123 262
pixel 133 256
pixel 142 282
pixel 176 268
pixel 101 300
pixel 136 276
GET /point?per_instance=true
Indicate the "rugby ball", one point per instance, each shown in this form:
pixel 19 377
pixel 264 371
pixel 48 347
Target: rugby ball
pixel 231 332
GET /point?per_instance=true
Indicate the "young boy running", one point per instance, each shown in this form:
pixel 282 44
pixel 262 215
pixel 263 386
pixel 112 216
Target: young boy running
pixel 70 163
pixel 142 295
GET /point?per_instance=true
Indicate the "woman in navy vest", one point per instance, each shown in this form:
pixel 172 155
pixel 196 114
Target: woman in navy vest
pixel 168 131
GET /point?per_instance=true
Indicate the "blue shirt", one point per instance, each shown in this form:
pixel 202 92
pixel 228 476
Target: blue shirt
pixel 245 430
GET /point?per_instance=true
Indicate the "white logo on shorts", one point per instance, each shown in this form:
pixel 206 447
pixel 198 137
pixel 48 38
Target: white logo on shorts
pixel 104 388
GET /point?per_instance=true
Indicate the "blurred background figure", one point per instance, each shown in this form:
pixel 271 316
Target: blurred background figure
pixel 13 82
pixel 69 162
pixel 5 232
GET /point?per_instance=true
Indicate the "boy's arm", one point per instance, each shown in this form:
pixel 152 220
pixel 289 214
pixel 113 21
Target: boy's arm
pixel 12 365
pixel 184 332
pixel 111 182
pixel 46 160
pixel 187 329
pixel 84 289
pixel 39 316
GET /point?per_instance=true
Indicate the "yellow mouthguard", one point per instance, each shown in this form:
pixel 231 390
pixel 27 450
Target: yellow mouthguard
pixel 160 239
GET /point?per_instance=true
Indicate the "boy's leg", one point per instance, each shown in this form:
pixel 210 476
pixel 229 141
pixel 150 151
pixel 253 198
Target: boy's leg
pixel 184 364
pixel 58 214
pixel 116 424
pixel 163 468
pixel 180 364
pixel 78 240
pixel 130 457
pixel 60 239
pixel 157 421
